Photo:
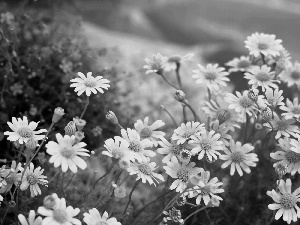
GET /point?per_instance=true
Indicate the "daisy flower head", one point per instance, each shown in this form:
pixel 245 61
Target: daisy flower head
pixel 32 178
pixel 150 132
pixel 186 131
pixel 23 131
pixel 292 109
pixel 261 77
pixel 117 148
pixel 239 64
pixel 144 172
pixel 265 44
pixel 287 156
pixel 182 173
pixel 156 64
pixel 31 219
pixel 274 97
pixel 60 214
pixel 291 75
pixel 137 146
pixel 171 149
pixel 93 217
pixel 212 76
pixel 285 201
pixel 284 127
pixel 89 84
pixel 239 157
pixel 10 177
pixel 207 143
pixel 66 153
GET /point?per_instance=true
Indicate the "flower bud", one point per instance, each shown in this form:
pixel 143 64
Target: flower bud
pixel 31 143
pixel 70 129
pixel 111 117
pixel 80 123
pixel 120 192
pixel 280 168
pixel 253 95
pixel 179 96
pixel 58 114
pixel 50 201
pixel 79 135
pixel 214 202
pixel 267 114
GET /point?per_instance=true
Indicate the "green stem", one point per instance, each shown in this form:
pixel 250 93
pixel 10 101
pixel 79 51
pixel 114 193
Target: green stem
pixel 172 85
pixel 246 128
pixel 184 113
pixel 170 115
pixel 178 75
pixel 196 118
pixel 194 213
pixel 104 175
pixel 87 102
pixel 208 118
pixel 130 194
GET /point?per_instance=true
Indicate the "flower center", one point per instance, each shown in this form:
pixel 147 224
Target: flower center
pixel 32 180
pixel 223 115
pixel 296 110
pixel 282 125
pixel 60 216
pixel 295 75
pixel 237 157
pixel 210 76
pixel 117 153
pixel 292 157
pixel 25 132
pixel 205 145
pixel 245 102
pixel 183 175
pixel 262 46
pixel 288 201
pixel 243 64
pixel 90 84
pixel 262 76
pixel 134 146
pixel 146 132
pixel 145 169
pixel 176 149
pixel 67 152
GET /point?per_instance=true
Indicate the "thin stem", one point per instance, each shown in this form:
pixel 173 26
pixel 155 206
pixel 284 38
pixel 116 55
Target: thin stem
pixel 172 85
pixel 62 184
pixel 130 194
pixel 246 128
pixel 70 181
pixel 87 102
pixel 6 211
pixel 184 113
pixel 178 74
pixel 170 115
pixel 208 118
pixel 104 175
pixel 196 118
pixel 194 213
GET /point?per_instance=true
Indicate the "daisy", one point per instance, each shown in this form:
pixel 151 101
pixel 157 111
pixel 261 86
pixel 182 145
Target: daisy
pixel 93 217
pixel 31 219
pixel 287 156
pixel 292 109
pixel 89 84
pixel 144 171
pixel 136 145
pixel 67 154
pixel 23 131
pixel 171 150
pixel 156 64
pixel 60 215
pixel 33 177
pixel 223 131
pixel 291 75
pixel 274 98
pixel 149 132
pixel 266 44
pixel 261 77
pixel 117 148
pixel 212 76
pixel 239 158
pixel 11 176
pixel 239 64
pixel 186 131
pixel 283 127
pixel 285 201
pixel 207 189
pixel 206 143
pixel 182 173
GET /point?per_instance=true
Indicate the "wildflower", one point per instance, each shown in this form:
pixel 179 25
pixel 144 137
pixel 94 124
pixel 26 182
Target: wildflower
pixel 93 217
pixel 266 44
pixel 261 77
pixel 206 143
pixel 156 64
pixel 292 109
pixel 10 176
pixel 70 129
pixel 33 177
pixel 136 145
pixel 50 201
pixel 58 114
pixel 89 84
pixel 274 98
pixel 212 76
pixel 171 150
pixel 239 64
pixel 186 131
pixel 239 158
pixel 280 168
pixel 117 148
pixel 119 191
pixel 283 127
pixel 207 189
pixel 214 202
pixel 111 117
pixel 60 214
pixel 182 173
pixel 80 123
pixel 149 132
pixel 67 154
pixel 31 219
pixel 285 201
pixel 222 130
pixel 291 75
pixel 23 131
pixel 173 215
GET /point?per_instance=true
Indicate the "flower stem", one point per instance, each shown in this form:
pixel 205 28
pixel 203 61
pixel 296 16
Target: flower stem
pixel 208 118
pixel 104 175
pixel 184 113
pixel 170 115
pixel 196 118
pixel 130 194
pixel 172 85
pixel 178 75
pixel 194 213
pixel 87 102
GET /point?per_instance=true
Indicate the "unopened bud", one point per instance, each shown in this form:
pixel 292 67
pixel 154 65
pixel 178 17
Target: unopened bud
pixel 185 156
pixel 280 168
pixel 253 95
pixel 179 96
pixel 111 117
pixel 31 143
pixel 79 135
pixel 70 129
pixel 50 201
pixel 267 114
pixel 12 204
pixel 214 202
pixel 223 115
pixel 58 114
pixel 80 123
